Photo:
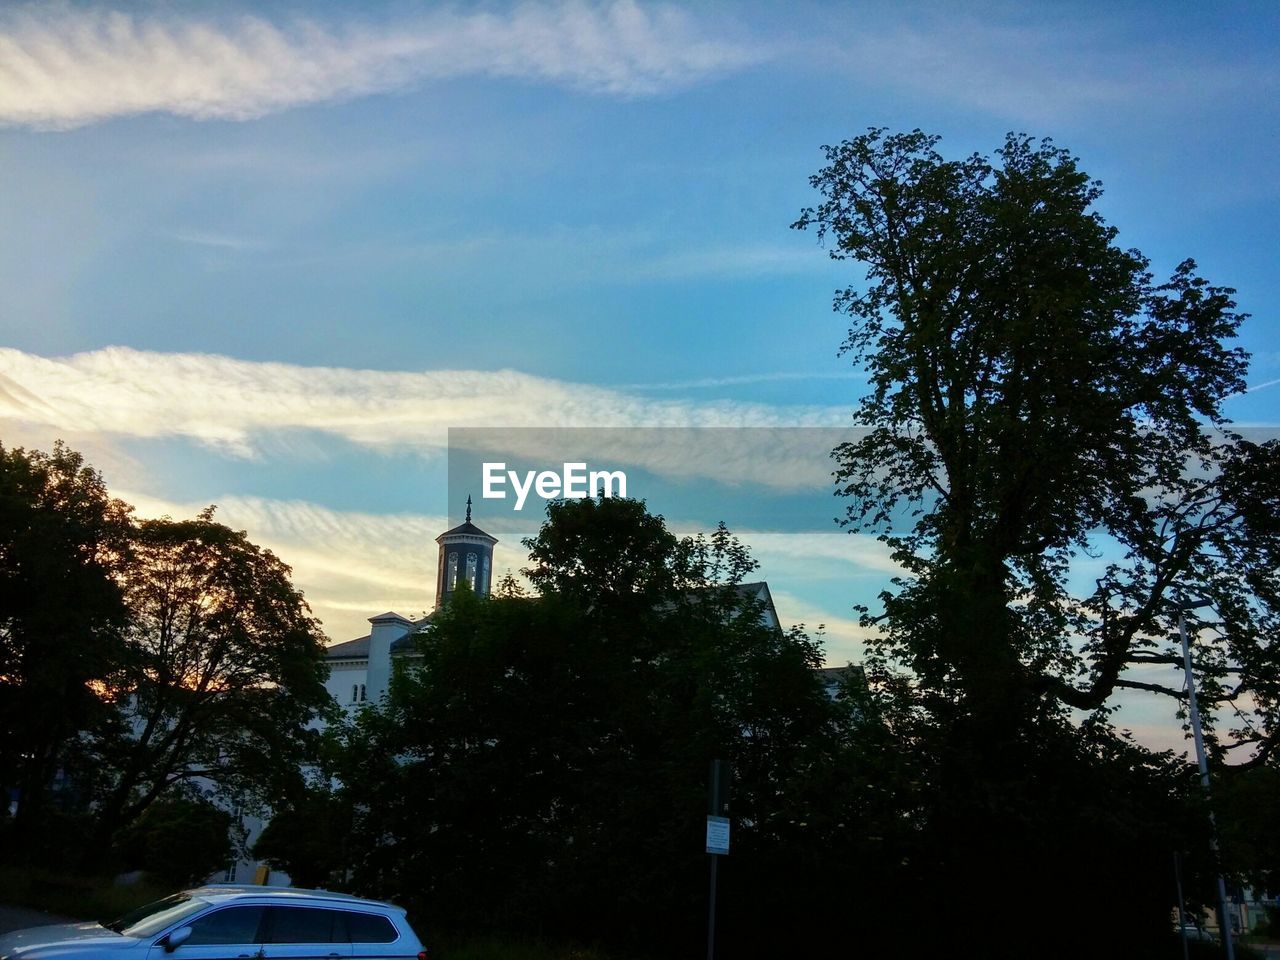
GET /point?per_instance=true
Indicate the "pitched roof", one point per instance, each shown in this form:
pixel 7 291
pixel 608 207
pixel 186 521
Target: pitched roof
pixel 390 616
pixel 469 529
pixel 405 644
pixel 357 649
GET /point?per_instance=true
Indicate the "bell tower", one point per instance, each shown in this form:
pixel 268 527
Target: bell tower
pixel 466 555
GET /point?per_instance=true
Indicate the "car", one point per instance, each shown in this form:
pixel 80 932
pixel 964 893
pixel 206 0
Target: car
pixel 1192 932
pixel 230 922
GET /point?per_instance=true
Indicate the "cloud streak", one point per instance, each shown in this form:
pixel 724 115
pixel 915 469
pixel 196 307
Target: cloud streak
pixel 352 565
pixel 1059 69
pixel 235 405
pixel 747 380
pixel 63 66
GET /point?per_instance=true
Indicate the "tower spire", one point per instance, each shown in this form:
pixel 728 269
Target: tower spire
pixel 466 556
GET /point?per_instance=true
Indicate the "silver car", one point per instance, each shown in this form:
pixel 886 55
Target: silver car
pixel 230 922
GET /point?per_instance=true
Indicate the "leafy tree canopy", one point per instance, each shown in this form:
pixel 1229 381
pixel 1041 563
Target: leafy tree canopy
pixel 551 752
pixel 63 544
pixel 226 669
pixel 178 840
pixel 1038 399
pixel 137 657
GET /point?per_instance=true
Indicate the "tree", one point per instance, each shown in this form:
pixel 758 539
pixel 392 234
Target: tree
pixel 179 841
pixel 1038 403
pixel 63 543
pixel 309 833
pixel 553 750
pixel 1036 398
pixel 226 670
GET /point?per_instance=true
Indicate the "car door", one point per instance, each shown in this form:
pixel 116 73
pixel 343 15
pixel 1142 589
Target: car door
pixel 312 933
pixel 224 933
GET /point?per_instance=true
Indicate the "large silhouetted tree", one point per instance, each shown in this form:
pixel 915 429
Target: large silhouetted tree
pixel 1036 398
pixel 1043 446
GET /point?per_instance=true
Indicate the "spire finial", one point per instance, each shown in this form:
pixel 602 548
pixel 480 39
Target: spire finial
pixel 468 508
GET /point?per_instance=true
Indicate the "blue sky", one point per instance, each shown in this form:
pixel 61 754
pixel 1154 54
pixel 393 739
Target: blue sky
pixel 265 255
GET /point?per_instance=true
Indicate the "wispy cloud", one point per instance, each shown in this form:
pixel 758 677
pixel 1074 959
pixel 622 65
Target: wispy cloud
pixel 844 639
pixel 744 380
pixel 748 260
pixel 236 405
pixel 589 254
pixel 351 565
pixel 354 564
pixel 63 66
pixel 219 241
pixel 1062 67
pixel 810 556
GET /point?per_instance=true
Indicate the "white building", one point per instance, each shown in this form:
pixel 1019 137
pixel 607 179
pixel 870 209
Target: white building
pixel 360 669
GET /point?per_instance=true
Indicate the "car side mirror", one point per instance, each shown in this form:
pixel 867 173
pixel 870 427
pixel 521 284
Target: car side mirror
pixel 177 939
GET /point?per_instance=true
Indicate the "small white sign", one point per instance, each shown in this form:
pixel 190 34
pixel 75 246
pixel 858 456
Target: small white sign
pixel 718 835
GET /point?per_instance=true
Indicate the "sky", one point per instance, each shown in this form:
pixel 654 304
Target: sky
pixel 267 255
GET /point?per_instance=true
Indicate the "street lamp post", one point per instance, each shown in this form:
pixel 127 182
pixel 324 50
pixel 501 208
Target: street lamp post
pixel 1224 922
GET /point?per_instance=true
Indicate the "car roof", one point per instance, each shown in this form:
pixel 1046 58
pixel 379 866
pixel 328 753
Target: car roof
pixel 225 892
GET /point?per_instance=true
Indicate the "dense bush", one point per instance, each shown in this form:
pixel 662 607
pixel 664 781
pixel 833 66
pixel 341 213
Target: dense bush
pixel 178 841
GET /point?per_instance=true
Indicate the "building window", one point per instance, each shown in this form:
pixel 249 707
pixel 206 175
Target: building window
pixel 362 693
pixel 485 569
pixel 451 580
pixel 471 570
pixel 355 692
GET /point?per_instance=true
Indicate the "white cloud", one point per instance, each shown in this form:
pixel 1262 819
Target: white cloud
pixel 351 565
pixel 1061 67
pixel 844 639
pixel 240 407
pixel 750 260
pixel 809 556
pixel 218 241
pixel 746 380
pixel 63 66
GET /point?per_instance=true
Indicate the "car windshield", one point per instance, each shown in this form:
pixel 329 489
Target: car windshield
pixel 154 917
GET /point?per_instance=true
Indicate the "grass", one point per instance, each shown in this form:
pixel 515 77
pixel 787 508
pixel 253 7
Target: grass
pixel 74 896
pixel 494 947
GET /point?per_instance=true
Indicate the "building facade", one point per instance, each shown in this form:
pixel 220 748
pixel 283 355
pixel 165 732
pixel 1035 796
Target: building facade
pixel 360 669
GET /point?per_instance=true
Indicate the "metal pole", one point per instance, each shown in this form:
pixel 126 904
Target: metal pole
pixel 1182 910
pixel 717 806
pixel 711 914
pixel 1224 922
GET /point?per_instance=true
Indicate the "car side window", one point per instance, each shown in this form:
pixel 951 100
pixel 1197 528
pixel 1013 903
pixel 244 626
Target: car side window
pixel 230 925
pixel 303 925
pixel 370 928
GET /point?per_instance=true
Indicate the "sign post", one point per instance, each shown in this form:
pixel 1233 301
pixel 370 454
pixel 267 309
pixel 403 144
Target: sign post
pixel 717 839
